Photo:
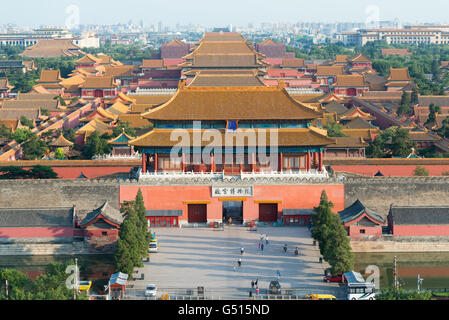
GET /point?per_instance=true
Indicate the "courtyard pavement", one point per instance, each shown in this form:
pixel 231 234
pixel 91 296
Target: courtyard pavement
pixel 194 257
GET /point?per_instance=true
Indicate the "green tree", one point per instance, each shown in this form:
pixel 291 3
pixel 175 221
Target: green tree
pixel 5 132
pixel 332 237
pixel 394 141
pixel 401 294
pixel 123 126
pixel 401 144
pixel 142 224
pixel 42 172
pixel 26 122
pixel 128 252
pixel 13 172
pixel 34 148
pixel 444 130
pixel 415 96
pixel 95 145
pixel 434 109
pixel 59 154
pixel 420 172
pixel 22 134
pixel 333 128
pixel 406 101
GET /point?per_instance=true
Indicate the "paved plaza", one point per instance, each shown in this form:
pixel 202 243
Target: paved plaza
pixel 194 257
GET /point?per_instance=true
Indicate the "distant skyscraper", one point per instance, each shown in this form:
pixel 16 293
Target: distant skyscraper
pixel 159 26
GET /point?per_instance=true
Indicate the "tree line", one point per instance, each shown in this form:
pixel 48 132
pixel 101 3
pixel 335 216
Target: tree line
pixel 333 240
pixel 134 236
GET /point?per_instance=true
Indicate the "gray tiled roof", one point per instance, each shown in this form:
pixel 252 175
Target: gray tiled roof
pixel 36 217
pixel 335 107
pixel 419 215
pixel 107 211
pixel 356 210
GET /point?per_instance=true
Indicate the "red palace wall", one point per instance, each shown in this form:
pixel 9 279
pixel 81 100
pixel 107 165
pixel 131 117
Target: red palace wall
pixel 354 232
pixel 287 197
pixel 421 230
pixel 38 232
pixel 390 170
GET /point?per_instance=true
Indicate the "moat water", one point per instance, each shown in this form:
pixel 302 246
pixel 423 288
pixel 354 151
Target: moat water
pixel 96 268
pixel 433 267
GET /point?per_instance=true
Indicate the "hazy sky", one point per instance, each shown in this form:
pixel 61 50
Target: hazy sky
pixel 220 13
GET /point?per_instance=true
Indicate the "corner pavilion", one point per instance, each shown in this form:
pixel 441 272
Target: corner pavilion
pixel 189 177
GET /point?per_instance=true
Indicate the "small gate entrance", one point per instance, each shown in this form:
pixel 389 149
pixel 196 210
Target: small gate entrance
pixel 233 210
pixel 197 213
pixel 268 212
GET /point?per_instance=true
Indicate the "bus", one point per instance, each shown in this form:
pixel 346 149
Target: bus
pixel 361 291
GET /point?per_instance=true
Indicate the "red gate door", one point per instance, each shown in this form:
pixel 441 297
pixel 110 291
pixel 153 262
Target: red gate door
pixel 197 213
pixel 268 212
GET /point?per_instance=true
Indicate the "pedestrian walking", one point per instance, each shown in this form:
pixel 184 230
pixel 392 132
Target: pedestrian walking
pixel 261 237
pixel 261 246
pixel 256 283
pixel 266 240
pixel 242 251
pixel 278 273
pixel 240 262
pixel 285 248
pixel 257 291
pixel 252 284
pixel 229 220
pixel 250 293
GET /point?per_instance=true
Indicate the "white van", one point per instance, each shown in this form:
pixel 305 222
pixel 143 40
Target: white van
pixel 153 247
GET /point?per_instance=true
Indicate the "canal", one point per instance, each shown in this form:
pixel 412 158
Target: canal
pixel 96 268
pixel 433 267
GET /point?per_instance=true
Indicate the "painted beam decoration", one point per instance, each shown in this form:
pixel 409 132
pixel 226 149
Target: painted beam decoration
pixel 232 191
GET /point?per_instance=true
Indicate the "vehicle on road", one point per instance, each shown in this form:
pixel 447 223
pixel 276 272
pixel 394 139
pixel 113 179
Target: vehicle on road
pixel 150 290
pixel 361 291
pixel 153 246
pixel 85 285
pixel 320 297
pixel 336 278
pixel 274 287
pixel 357 288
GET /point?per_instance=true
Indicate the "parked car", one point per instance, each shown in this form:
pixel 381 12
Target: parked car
pixel 153 246
pixel 274 287
pixel 337 278
pixel 150 290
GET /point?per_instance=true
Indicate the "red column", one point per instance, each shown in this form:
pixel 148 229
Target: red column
pixel 183 162
pixel 212 163
pixel 320 157
pixel 253 160
pixel 155 162
pixel 308 166
pixel 281 164
pixel 144 162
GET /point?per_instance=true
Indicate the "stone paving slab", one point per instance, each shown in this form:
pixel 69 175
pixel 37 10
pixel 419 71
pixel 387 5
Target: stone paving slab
pixel 193 257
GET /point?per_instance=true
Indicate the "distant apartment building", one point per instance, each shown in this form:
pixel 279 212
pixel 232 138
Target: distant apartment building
pixel 408 35
pixel 26 39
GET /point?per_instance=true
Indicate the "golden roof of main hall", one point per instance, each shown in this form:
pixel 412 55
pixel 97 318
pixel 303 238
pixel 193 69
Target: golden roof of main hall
pixel 231 103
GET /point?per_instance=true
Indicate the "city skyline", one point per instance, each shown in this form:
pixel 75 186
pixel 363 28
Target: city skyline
pixel 202 12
